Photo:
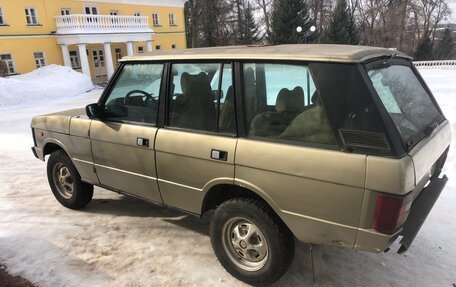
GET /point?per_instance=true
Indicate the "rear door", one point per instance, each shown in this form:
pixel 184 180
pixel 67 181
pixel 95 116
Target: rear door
pixel 123 138
pixel 196 148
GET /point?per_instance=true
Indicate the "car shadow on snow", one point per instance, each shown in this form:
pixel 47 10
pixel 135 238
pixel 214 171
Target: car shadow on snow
pixel 133 207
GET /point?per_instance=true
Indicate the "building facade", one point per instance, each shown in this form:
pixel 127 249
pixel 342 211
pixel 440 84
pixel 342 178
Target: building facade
pixel 89 36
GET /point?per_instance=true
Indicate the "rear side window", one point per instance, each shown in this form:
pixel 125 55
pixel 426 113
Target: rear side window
pixel 405 99
pixel 282 102
pixel 134 96
pixel 202 97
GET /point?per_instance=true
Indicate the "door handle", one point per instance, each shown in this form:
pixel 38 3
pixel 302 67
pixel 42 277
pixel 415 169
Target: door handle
pixel 219 154
pixel 142 142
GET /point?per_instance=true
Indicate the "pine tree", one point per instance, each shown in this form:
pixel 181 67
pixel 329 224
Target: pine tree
pixel 287 15
pixel 424 50
pixel 342 28
pixel 248 29
pixel 445 49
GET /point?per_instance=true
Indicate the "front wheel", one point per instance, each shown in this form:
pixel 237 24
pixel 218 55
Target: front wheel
pixel 66 183
pixel 250 241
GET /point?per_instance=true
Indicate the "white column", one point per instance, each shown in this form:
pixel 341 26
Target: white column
pixel 66 55
pixel 149 45
pixel 130 48
pixel 84 60
pixel 108 59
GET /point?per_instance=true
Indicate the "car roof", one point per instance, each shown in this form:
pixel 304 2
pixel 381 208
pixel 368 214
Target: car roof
pixel 299 52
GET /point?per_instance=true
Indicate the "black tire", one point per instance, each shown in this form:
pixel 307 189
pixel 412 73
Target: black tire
pixel 65 182
pixel 239 215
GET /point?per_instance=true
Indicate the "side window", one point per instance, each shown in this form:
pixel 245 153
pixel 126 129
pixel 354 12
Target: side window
pixel 202 97
pixel 134 96
pixel 282 102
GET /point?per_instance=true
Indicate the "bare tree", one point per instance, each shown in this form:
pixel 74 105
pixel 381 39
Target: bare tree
pixel 265 7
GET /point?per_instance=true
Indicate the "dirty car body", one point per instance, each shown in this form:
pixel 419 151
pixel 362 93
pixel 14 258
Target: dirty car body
pixel 339 145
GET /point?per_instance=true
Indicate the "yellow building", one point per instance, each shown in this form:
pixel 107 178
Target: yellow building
pixel 82 34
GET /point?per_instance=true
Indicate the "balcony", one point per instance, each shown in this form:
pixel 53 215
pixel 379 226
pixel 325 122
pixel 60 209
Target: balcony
pixel 101 24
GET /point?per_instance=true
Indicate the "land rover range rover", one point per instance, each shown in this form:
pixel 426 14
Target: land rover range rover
pixel 331 145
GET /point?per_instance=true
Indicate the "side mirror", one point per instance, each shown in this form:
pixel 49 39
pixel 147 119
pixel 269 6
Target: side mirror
pixel 93 111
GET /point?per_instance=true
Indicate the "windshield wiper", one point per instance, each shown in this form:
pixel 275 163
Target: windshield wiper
pixel 386 64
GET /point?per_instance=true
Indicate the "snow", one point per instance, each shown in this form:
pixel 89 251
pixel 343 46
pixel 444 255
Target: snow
pixel 122 241
pixel 43 84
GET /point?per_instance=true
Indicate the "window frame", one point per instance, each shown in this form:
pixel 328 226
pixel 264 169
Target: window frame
pixel 13 65
pixel 242 120
pixel 156 19
pixel 164 116
pixel 65 11
pixel 392 130
pixel 43 59
pixel 2 17
pixel 29 17
pixel 157 47
pixel 91 6
pixel 173 46
pixel 76 56
pixel 113 82
pixel 172 19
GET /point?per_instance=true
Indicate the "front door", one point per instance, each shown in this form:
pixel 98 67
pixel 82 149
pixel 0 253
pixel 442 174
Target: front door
pixel 197 147
pixel 123 139
pixel 99 67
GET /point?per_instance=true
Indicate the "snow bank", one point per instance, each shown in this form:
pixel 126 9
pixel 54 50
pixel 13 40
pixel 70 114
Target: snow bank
pixel 43 84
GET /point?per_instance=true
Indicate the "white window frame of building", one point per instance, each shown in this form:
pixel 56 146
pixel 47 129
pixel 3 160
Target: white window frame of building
pixel 173 46
pixel 91 10
pixel 158 47
pixel 31 16
pixel 156 19
pixel 9 63
pixel 172 19
pixel 2 17
pixel 74 59
pixel 141 50
pixel 65 11
pixel 40 59
pixel 118 54
pixel 114 13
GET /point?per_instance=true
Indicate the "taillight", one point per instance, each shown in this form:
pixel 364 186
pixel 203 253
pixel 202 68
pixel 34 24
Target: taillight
pixel 391 211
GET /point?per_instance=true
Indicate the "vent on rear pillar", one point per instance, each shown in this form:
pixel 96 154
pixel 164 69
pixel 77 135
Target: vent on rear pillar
pixel 363 139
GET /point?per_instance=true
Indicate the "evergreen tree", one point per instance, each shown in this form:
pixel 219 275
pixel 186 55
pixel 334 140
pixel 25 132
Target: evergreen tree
pixel 445 49
pixel 424 50
pixel 287 15
pixel 248 29
pixel 342 28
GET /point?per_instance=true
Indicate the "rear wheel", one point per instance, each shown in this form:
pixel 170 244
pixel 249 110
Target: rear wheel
pixel 250 241
pixel 65 182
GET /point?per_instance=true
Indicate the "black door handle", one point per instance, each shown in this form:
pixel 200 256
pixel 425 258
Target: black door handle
pixel 142 142
pixel 219 154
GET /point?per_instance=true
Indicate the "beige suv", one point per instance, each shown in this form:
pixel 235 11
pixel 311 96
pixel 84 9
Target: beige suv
pixel 331 145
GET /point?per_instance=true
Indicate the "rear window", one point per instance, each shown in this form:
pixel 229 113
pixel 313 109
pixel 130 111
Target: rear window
pixel 405 99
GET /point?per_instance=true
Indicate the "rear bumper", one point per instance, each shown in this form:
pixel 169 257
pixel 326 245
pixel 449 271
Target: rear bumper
pixel 372 241
pixel 419 211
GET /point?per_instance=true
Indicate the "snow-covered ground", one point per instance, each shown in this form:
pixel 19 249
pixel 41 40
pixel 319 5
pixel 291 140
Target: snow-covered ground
pixel 48 82
pixel 121 241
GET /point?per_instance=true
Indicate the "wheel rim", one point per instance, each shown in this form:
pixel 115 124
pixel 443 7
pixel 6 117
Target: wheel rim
pixel 63 180
pixel 245 244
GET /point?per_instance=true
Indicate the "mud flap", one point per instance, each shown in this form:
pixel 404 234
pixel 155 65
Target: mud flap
pixel 420 210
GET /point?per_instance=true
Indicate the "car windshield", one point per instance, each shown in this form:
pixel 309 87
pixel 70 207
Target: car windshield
pixel 405 99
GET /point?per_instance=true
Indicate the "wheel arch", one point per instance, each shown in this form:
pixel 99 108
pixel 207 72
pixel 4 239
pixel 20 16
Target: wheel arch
pixel 219 193
pixel 52 145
